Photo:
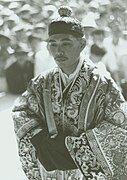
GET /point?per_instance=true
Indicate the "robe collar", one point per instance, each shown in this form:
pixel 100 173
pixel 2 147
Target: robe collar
pixel 67 79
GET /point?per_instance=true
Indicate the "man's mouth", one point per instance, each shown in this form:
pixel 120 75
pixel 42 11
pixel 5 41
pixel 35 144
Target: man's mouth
pixel 60 58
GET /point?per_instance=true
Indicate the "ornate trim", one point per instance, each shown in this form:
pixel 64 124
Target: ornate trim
pixel 26 128
pixel 83 114
pixel 99 153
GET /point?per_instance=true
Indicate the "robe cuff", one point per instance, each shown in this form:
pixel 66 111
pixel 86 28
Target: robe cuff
pixel 101 151
pixel 84 157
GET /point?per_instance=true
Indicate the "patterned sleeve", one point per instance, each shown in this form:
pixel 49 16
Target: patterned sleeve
pixel 115 106
pixel 101 152
pixel 28 120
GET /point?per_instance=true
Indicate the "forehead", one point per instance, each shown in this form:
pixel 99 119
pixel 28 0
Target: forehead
pixel 61 37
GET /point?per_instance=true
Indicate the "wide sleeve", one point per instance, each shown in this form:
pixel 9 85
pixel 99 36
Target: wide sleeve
pixel 28 121
pixel 101 152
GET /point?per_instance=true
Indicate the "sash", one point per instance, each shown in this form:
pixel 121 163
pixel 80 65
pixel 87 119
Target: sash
pixel 48 108
pixel 84 112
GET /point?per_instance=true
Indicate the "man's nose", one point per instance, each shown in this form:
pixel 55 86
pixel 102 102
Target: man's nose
pixel 59 50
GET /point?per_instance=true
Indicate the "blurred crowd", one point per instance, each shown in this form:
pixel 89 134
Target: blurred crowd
pixel 23 35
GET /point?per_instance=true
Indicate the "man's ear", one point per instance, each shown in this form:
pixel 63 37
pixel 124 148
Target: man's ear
pixel 83 43
pixel 48 48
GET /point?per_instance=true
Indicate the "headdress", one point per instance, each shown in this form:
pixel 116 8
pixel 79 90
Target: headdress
pixel 65 24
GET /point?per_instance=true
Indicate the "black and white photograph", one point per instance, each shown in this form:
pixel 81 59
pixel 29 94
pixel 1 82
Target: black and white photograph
pixel 63 89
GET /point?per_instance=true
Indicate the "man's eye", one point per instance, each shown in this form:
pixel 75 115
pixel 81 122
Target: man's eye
pixel 52 44
pixel 66 44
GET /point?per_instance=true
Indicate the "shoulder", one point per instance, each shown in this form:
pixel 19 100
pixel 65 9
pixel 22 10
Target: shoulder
pixel 48 73
pixel 87 66
pixel 39 80
pixel 105 79
pixel 98 72
pixel 11 66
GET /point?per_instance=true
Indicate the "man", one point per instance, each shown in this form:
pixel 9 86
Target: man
pixel 109 58
pixel 39 48
pixel 19 72
pixel 71 119
pixel 96 53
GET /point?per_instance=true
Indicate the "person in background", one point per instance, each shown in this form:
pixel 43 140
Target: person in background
pixel 71 122
pixel 4 52
pixel 114 45
pixel 19 72
pixel 123 72
pixel 109 59
pixel 103 20
pixel 4 55
pixel 89 25
pixel 34 43
pixel 41 57
pixel 96 55
pixel 98 36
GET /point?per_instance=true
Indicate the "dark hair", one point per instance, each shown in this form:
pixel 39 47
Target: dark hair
pixel 96 50
pixel 98 32
pixel 32 36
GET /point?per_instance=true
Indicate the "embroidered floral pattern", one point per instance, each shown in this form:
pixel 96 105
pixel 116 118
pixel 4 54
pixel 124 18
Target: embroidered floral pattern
pixel 67 104
pixel 84 157
pixel 28 158
pixel 113 141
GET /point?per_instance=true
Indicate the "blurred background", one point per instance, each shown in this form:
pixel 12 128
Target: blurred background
pixel 23 54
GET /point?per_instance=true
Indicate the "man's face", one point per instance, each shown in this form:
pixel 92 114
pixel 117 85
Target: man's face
pixel 65 50
pixel 95 58
pixel 21 58
pixel 98 38
pixel 4 42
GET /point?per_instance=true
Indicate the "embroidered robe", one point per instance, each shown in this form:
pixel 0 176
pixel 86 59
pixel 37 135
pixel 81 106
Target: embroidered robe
pixel 92 112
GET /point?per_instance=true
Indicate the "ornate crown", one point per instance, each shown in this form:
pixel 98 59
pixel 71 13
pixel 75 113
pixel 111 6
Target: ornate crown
pixel 65 24
pixel 65 11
